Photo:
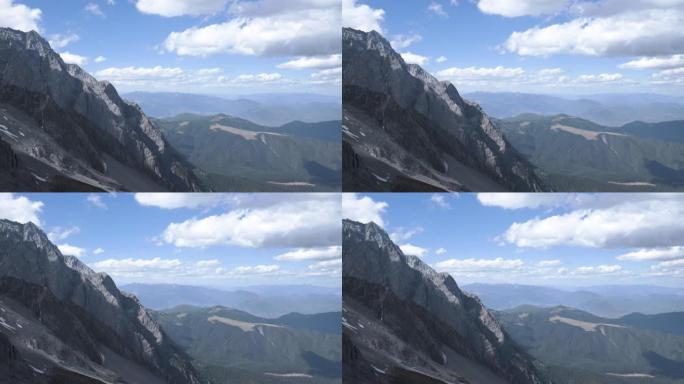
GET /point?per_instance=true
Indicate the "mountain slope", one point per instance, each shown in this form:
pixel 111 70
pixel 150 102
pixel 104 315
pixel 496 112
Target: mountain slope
pixel 65 321
pixel 238 155
pixel 579 155
pixel 226 343
pixel 404 129
pixel 404 322
pixel 575 344
pixel 70 131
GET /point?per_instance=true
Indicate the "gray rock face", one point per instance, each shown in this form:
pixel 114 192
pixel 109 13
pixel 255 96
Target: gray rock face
pixel 433 132
pixel 80 126
pixel 75 319
pixel 407 315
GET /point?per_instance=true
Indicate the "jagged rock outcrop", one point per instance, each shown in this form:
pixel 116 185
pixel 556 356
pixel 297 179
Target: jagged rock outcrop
pixel 65 320
pixel 403 320
pixel 78 128
pixel 411 130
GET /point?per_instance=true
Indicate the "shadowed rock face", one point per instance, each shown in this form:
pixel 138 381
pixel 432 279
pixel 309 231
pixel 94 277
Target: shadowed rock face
pixel 401 115
pixel 403 317
pixel 64 318
pixel 80 127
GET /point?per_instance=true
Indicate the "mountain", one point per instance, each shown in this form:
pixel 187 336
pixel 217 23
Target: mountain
pixel 406 131
pixel 235 346
pixel 672 322
pixel 606 301
pixel 578 346
pixel 237 155
pixel 258 301
pixel 68 324
pixel 403 322
pixel 579 155
pixel 610 110
pixel 69 131
pixel 270 110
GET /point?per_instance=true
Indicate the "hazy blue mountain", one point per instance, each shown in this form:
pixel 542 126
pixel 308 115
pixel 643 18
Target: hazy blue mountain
pixel 235 154
pixel 672 322
pixel 579 155
pixel 579 347
pixel 234 346
pixel 266 109
pixel 606 109
pixel 266 301
pixel 606 301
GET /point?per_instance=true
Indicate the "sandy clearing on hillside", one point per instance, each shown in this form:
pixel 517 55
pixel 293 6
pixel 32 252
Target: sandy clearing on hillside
pixel 589 135
pixel 248 135
pixel 245 326
pixel 585 325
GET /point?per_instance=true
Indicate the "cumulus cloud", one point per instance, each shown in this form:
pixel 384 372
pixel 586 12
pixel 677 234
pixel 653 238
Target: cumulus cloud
pixel 413 250
pixel 182 200
pixel 399 42
pixel 440 200
pixel 441 59
pixel 20 209
pixel 60 41
pixel 437 9
pixel 297 224
pixel 517 8
pixel 548 263
pixel 60 233
pixel 654 254
pixel 599 269
pixel 256 269
pixel 265 28
pixel 363 209
pixel 412 58
pixel 94 9
pixel 306 254
pixel 316 62
pixel 456 74
pixel 100 59
pixel 478 265
pixel 19 16
pixel 404 234
pixel 180 7
pixel 71 58
pixel 440 251
pixel 602 78
pixel 329 266
pixel 71 250
pixel 362 17
pixel 659 62
pixel 98 251
pixel 138 73
pixel 96 201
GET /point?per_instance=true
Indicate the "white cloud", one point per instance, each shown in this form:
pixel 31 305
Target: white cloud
pixel 328 76
pixel 436 9
pixel 19 16
pixel 441 59
pixel 439 199
pixel 331 266
pixel 659 62
pixel 457 74
pixel 261 77
pixel 602 78
pixel 266 28
pixel 531 200
pixel 361 16
pixel 302 224
pixel 654 254
pixel 71 58
pixel 638 223
pixel 59 233
pixel 20 209
pixel 303 254
pixel 404 234
pixel 412 58
pixel 256 270
pixel 548 263
pixel 517 8
pixel 100 59
pixel 208 263
pixel 404 41
pixel 173 8
pixel 94 9
pixel 670 76
pixel 98 251
pixel 599 269
pixel 138 73
pixel 414 250
pixel 71 250
pixel 478 265
pixel 181 200
pixel 60 41
pixel 119 267
pixel 440 251
pixel 363 209
pixel 96 200
pixel 315 62
pixel 111 2
pixel 651 32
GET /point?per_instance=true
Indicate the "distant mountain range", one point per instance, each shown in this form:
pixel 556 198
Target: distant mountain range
pixel 607 109
pixel 405 323
pixel 579 347
pixel 406 131
pixel 606 301
pixel 577 155
pixel 230 346
pixel 273 301
pixel 62 130
pixel 237 155
pixel 60 322
pixel 269 109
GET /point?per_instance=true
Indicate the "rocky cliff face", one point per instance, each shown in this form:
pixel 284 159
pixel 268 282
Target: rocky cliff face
pixel 64 319
pixel 406 123
pixel 402 320
pixel 77 126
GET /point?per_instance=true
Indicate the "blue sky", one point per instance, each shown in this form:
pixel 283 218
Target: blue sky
pixel 227 47
pixel 566 47
pixel 542 239
pixel 215 239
